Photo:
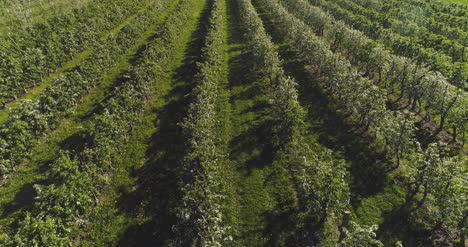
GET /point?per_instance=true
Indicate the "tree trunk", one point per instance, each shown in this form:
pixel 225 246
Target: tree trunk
pixel 398 159
pixel 462 239
pixel 442 121
pixel 444 113
pixel 427 117
pixel 419 105
pixel 461 227
pixel 380 76
pixel 413 105
pixel 420 203
pixel 344 225
pixel 454 134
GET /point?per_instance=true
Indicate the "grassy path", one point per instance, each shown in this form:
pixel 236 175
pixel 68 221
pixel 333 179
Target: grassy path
pixel 259 184
pixel 17 192
pixel 465 2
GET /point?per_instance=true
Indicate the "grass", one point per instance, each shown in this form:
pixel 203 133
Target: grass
pixel 262 187
pixel 465 2
pixel 230 208
pixel 246 150
pixel 17 193
pixel 373 210
pixel 250 157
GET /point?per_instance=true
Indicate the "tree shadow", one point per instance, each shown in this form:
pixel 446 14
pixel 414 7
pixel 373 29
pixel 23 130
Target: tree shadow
pixel 398 225
pixel 369 167
pixel 254 142
pixel 158 181
pixel 25 196
pixel 75 143
pixel 23 199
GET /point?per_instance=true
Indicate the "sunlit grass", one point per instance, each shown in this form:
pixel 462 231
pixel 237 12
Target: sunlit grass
pixel 465 2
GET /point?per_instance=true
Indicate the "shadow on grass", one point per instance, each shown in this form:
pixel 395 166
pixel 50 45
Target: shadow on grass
pixel 368 166
pixel 255 143
pixel 24 195
pixel 158 180
pixel 262 191
pixel 24 198
pixel 399 225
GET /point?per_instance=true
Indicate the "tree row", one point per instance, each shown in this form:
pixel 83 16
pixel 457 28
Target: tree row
pixel 410 21
pixel 360 98
pixel 456 73
pixel 318 191
pixel 33 119
pixel 61 208
pixel 30 55
pixel 452 27
pixel 402 77
pixel 200 219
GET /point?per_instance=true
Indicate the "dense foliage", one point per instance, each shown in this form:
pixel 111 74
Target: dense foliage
pixel 200 218
pixel 61 208
pixel 364 101
pixel 28 56
pixel 455 69
pixel 439 181
pixel 29 122
pixel 237 123
pixel 421 87
pixel 395 129
pixel 321 190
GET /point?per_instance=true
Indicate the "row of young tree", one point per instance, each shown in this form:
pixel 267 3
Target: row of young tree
pixel 452 27
pixel 422 88
pixel 356 96
pixel 30 55
pixel 32 120
pixel 456 72
pixel 17 15
pixel 451 8
pixel 436 179
pixel 320 193
pixel 61 209
pixel 437 185
pixel 408 21
pixel 200 219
